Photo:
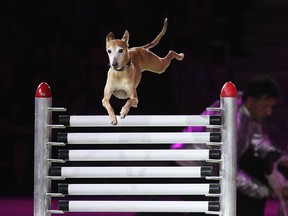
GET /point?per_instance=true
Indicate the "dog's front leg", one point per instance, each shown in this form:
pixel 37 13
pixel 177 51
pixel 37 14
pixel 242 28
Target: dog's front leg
pixel 109 108
pixel 132 101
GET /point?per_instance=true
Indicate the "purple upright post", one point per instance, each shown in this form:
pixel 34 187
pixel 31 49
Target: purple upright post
pixel 42 151
pixel 228 97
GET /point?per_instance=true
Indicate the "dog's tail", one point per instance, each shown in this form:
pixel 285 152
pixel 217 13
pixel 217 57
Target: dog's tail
pixel 158 38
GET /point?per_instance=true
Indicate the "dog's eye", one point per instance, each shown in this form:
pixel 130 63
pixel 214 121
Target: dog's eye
pixel 120 50
pixel 109 51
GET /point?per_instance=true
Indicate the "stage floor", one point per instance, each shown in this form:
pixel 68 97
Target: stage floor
pixel 24 207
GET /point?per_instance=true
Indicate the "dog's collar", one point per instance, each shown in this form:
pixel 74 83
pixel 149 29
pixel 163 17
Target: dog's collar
pixel 124 67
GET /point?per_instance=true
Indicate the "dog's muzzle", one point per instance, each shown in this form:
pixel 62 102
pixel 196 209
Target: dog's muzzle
pixel 115 66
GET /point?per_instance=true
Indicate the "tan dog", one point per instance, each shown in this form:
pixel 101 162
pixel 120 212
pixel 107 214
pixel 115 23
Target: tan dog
pixel 126 67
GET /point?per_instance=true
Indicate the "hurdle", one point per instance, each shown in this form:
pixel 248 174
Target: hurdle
pixel 223 153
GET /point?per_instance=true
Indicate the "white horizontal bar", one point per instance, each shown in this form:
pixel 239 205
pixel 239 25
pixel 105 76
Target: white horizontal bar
pixel 137 138
pixel 138 189
pixel 138 155
pixel 138 206
pixel 141 120
pixel 130 172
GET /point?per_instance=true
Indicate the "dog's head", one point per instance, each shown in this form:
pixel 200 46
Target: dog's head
pixel 117 50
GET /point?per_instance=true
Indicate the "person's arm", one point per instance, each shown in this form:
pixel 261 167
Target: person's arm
pixel 263 147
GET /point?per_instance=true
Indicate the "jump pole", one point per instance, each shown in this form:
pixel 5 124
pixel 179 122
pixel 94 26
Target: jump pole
pixel 43 119
pixel 228 97
pixel 42 151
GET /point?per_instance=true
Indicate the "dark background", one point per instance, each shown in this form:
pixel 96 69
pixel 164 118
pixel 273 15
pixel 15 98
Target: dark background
pixel 62 42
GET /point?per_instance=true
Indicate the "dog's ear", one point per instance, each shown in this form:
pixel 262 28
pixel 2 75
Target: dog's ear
pixel 125 37
pixel 110 36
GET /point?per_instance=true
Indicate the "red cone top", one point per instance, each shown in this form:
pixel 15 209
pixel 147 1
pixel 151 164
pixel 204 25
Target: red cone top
pixel 229 90
pixel 43 91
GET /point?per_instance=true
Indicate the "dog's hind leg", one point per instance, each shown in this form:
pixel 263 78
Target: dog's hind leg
pixel 169 57
pixel 159 65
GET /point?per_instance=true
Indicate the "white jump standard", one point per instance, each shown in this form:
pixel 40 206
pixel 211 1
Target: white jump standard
pixel 223 153
pixel 139 189
pixel 139 206
pixel 138 138
pixel 141 120
pixel 139 155
pixel 130 172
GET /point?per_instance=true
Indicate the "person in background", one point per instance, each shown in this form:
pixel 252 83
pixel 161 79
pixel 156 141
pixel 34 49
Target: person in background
pixel 255 151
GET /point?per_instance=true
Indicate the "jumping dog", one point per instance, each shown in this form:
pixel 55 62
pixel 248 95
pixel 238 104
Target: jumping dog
pixel 126 67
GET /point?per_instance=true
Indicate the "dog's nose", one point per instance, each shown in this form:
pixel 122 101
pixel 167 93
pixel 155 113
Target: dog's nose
pixel 115 64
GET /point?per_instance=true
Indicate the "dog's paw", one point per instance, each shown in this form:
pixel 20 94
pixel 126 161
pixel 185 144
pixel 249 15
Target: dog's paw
pixel 114 120
pixel 181 56
pixel 124 113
